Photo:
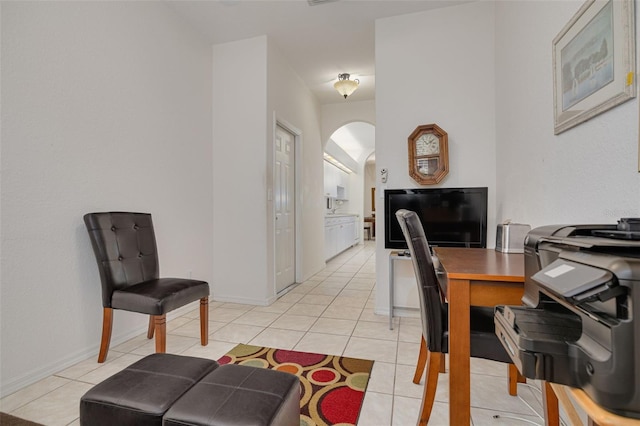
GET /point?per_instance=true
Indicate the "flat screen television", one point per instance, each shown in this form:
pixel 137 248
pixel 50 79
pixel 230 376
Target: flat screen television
pixel 451 217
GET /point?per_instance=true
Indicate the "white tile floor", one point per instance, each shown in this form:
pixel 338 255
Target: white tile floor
pixel 331 313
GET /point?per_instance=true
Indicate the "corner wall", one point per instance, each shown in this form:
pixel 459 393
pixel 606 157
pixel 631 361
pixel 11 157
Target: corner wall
pixel 587 174
pixel 446 62
pixel 240 172
pixel 243 132
pixel 291 102
pixel 99 113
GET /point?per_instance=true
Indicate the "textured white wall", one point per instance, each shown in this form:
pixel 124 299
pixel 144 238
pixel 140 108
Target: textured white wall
pixel 434 67
pixel 240 171
pixel 588 174
pixel 98 113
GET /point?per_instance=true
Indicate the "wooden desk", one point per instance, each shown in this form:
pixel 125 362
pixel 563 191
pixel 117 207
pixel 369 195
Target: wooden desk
pixel 570 398
pixel 480 277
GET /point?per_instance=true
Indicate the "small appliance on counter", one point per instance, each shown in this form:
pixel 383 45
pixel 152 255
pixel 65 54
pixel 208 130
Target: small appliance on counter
pixel 510 237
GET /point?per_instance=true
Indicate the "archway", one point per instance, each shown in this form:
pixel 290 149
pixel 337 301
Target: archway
pixel 346 154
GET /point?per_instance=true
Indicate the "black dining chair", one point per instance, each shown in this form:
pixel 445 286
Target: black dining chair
pixel 435 316
pixel 124 245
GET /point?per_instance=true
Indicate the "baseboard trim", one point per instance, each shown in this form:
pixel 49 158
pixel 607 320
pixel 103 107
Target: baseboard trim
pixel 246 300
pixel 36 374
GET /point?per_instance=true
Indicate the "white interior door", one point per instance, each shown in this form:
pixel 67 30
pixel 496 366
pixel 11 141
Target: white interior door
pixel 285 208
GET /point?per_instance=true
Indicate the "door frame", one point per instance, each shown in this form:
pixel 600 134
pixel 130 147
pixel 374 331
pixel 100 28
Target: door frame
pixel 297 140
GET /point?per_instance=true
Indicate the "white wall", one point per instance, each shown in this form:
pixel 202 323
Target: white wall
pixel 337 115
pixel 434 67
pixel 240 171
pixel 98 113
pixel 369 182
pixel 588 174
pixel 292 103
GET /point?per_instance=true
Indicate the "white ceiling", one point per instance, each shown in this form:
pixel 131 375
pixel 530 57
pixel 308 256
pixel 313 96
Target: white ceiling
pixel 319 42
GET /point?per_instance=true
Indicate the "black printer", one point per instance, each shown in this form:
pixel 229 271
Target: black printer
pixel 577 325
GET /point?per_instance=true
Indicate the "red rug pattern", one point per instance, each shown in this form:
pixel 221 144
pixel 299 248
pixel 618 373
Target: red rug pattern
pixel 332 387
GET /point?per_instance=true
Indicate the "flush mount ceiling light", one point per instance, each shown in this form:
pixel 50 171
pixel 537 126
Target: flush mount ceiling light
pixel 344 86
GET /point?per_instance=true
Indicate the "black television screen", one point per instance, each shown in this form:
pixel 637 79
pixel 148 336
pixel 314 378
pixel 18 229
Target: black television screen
pixel 451 217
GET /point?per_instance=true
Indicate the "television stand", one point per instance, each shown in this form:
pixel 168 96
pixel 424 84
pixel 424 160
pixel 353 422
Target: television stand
pixel 393 256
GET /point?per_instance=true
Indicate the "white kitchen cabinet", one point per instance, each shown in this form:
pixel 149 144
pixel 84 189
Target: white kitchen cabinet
pixel 343 185
pixel 339 234
pixel 348 233
pixel 330 241
pixel 330 180
pixel 334 178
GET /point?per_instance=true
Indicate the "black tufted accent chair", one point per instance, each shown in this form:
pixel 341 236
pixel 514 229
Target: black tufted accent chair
pixel 125 248
pixel 434 312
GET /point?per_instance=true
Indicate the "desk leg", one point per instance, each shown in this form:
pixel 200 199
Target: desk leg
pixel 391 275
pixel 550 405
pixel 459 353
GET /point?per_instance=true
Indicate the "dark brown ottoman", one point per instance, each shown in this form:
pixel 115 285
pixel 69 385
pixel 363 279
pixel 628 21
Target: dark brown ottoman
pixel 239 395
pixel 141 393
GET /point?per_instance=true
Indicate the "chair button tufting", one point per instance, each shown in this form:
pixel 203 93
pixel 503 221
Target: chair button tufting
pixel 139 254
pixel 119 257
pixel 135 226
pixel 113 228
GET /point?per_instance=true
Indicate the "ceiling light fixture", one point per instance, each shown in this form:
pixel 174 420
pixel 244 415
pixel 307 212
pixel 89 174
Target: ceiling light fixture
pixel 344 86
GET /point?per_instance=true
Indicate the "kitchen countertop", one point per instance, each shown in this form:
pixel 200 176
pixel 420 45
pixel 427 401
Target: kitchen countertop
pixel 340 214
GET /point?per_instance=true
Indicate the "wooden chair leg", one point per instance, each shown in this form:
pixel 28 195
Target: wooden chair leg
pixel 204 321
pixel 430 386
pixel 107 324
pixel 514 377
pixel 151 327
pixel 550 405
pixel 422 361
pixel 161 333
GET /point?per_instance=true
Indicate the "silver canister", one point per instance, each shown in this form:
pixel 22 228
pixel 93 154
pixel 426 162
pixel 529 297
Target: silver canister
pixel 510 237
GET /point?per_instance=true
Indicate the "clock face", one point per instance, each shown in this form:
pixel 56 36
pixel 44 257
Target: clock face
pixel 428 144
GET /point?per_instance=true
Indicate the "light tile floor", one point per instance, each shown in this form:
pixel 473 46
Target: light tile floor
pixel 330 313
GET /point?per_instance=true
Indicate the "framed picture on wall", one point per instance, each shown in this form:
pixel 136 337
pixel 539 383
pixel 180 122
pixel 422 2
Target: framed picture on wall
pixel 594 62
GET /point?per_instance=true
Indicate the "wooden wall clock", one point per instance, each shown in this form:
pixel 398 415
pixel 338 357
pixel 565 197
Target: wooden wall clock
pixel 428 154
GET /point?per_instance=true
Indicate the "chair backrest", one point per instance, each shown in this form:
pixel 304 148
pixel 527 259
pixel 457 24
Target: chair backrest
pixel 125 248
pixel 432 308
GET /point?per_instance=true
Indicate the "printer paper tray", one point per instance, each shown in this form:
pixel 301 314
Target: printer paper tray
pixel 538 341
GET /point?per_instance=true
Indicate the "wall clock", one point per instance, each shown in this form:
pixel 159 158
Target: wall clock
pixel 428 154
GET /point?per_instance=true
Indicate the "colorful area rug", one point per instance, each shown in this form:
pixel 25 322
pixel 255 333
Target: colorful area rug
pixel 9 420
pixel 332 387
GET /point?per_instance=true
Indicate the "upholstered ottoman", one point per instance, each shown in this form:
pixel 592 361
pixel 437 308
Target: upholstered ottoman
pixel 239 395
pixel 141 393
